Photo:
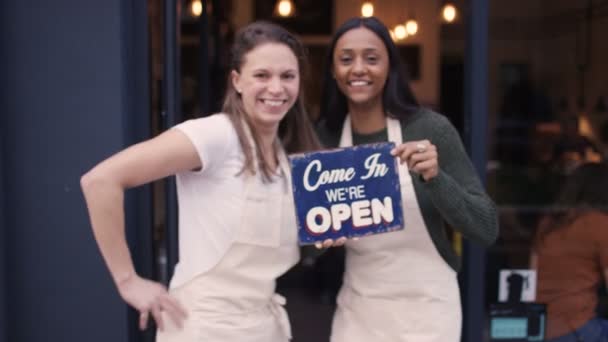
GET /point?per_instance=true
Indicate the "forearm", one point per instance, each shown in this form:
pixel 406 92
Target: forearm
pixel 457 192
pixel 105 201
pixel 470 212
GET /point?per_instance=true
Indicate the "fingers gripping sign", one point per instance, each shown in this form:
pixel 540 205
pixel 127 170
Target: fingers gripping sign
pixel 332 243
pixel 421 157
pixel 346 193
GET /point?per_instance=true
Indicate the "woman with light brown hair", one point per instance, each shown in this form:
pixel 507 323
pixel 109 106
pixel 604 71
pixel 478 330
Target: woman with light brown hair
pixel 237 230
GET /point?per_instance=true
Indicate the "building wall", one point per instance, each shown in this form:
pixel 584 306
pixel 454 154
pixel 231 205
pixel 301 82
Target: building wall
pixel 3 276
pixel 67 95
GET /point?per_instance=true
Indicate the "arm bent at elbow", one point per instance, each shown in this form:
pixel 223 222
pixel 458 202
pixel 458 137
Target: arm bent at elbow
pixel 103 188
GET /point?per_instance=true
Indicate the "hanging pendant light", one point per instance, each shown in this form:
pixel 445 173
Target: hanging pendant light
pixel 284 8
pixel 400 32
pixel 196 8
pixel 449 13
pixel 392 32
pixel 367 9
pixel 411 27
pixel 411 24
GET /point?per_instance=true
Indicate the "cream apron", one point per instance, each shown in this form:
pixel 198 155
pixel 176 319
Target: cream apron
pixel 235 301
pixel 396 285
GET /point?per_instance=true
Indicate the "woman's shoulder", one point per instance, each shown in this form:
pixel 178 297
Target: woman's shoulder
pixel 591 225
pixel 218 122
pixel 212 130
pixel 428 122
pixel 427 116
pixel 216 119
pixel 587 222
pixel 595 218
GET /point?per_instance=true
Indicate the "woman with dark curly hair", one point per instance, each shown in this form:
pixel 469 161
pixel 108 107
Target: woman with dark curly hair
pixel 401 286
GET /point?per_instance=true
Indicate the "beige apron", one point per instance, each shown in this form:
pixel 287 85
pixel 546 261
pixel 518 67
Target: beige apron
pixel 235 301
pixel 396 285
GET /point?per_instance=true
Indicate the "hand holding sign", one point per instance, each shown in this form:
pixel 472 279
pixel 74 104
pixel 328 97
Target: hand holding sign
pixel 347 192
pixel 332 243
pixel 420 156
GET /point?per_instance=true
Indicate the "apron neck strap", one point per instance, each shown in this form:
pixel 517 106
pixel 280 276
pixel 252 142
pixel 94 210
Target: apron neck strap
pixel 394 135
pixel 393 126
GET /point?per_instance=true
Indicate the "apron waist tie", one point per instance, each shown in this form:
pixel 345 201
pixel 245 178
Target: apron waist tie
pixel 276 306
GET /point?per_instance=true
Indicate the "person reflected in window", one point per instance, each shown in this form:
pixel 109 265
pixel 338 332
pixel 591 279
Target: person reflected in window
pixel 237 225
pixel 400 286
pixel 570 254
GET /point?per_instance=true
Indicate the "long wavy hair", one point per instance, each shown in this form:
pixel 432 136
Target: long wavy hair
pixel 586 189
pixel 295 130
pixel 397 97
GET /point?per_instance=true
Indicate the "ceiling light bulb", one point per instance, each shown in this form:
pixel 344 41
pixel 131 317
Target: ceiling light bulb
pixel 367 9
pixel 449 13
pixel 392 33
pixel 411 27
pixel 196 8
pixel 400 32
pixel 285 8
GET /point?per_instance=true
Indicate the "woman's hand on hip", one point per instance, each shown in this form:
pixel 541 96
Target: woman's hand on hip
pixel 420 156
pixel 151 298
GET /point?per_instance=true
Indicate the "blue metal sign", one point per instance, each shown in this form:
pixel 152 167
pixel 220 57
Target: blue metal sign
pixel 347 192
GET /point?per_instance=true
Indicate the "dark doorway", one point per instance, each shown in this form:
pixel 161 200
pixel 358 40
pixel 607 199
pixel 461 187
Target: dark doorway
pixel 451 91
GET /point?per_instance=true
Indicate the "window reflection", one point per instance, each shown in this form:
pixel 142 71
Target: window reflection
pixel 545 130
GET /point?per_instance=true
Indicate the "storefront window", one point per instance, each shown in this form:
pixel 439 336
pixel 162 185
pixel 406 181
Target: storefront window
pixel 545 81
